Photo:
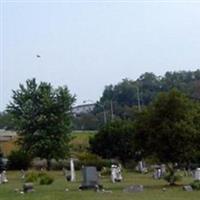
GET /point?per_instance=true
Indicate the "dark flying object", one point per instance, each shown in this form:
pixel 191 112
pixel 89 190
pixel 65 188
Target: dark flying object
pixel 38 56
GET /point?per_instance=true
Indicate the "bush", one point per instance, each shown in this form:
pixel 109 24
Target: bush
pixel 172 178
pixel 18 160
pixel 195 185
pixel 45 179
pixel 31 177
pixel 42 177
pixel 114 140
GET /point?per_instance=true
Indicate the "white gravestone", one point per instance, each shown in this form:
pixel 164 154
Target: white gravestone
pixel 116 173
pixel 197 174
pixel 163 169
pixel 157 173
pixel 113 173
pixel 72 170
pixel 3 177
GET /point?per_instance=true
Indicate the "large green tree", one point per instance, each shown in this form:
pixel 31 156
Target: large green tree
pixel 41 116
pixel 114 140
pixel 169 129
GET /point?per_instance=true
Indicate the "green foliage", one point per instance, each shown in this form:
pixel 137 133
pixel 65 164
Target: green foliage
pixel 31 177
pixel 196 185
pixel 6 121
pixel 172 176
pixel 42 118
pixel 80 141
pixel 129 93
pixel 115 140
pixel 168 128
pixel 127 96
pixel 45 179
pixel 42 178
pixel 18 160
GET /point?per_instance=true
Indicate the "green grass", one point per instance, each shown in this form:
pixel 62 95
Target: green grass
pixel 56 191
pixel 80 140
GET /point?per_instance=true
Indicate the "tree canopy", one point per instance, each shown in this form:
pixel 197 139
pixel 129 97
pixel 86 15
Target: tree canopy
pixel 169 128
pixel 114 140
pixel 41 116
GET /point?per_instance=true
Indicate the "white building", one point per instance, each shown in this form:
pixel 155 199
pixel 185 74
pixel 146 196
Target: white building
pixel 83 109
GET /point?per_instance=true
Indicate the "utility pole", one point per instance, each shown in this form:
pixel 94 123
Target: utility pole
pixel 104 115
pixel 138 99
pixel 111 109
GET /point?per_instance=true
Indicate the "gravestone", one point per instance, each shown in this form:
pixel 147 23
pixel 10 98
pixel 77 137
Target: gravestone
pixel 157 173
pixel 197 174
pixel 163 170
pixel 3 177
pixel 72 170
pixel 90 178
pixel 141 167
pixel 116 175
pixel 28 187
pixel 187 188
pixel 134 188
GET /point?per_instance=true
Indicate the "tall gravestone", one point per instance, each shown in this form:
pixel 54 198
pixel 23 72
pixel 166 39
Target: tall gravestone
pixel 90 178
pixel 72 170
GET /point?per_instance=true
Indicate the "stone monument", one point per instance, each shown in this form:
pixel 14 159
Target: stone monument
pixel 72 170
pixel 90 178
pixel 116 175
pixel 197 174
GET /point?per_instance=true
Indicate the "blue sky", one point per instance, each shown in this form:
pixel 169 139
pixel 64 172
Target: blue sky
pixel 89 44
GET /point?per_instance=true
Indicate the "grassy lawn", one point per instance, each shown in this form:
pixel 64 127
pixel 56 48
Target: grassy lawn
pixel 56 191
pixel 80 140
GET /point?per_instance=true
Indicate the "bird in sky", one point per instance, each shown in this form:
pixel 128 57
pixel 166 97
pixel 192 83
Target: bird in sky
pixel 38 56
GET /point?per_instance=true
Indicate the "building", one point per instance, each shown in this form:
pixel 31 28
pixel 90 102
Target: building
pixel 7 141
pixel 83 109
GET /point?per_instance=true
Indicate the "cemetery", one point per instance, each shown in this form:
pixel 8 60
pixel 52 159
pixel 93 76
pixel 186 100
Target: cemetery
pixel 133 186
pixel 123 159
pixel 145 182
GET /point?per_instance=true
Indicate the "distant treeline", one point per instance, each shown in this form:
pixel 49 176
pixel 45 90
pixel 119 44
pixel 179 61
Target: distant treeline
pixel 123 100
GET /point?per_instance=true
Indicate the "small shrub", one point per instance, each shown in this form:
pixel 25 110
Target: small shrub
pixel 196 185
pixel 45 179
pixel 31 177
pixel 41 177
pixel 172 178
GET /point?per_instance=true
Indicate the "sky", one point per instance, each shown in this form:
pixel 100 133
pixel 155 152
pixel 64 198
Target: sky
pixel 87 45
